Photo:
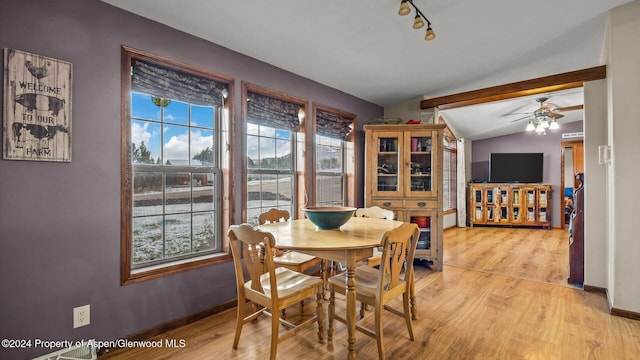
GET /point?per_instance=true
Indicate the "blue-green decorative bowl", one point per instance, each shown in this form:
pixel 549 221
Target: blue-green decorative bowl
pixel 329 217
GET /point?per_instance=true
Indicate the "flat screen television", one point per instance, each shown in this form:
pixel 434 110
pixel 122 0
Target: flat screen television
pixel 515 167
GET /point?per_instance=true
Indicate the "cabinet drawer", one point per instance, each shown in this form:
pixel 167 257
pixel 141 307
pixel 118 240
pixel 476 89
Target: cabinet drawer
pixel 387 203
pixel 420 204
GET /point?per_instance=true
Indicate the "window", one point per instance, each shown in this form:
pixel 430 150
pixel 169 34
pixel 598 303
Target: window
pixel 172 167
pixel 449 171
pixel 330 174
pixel 274 146
pixel 334 180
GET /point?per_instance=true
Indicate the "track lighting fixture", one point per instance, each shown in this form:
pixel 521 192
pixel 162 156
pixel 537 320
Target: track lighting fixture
pixel 419 20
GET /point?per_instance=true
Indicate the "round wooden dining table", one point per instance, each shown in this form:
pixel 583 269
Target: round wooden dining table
pixel 350 243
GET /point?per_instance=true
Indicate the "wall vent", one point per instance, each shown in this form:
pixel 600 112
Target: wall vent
pixel 86 351
pixel 573 135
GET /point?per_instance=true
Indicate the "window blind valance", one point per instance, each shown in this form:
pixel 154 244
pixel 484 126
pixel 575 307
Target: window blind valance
pixel 170 84
pixel 272 112
pixel 333 125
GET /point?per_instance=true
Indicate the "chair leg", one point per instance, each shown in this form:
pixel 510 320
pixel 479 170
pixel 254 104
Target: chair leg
pixel 332 312
pixel 320 313
pixel 275 325
pixel 414 311
pixel 363 308
pixel 407 314
pixel 239 321
pixel 378 314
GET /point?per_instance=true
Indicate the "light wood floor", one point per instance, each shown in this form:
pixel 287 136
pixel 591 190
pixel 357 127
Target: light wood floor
pixel 527 253
pixel 500 296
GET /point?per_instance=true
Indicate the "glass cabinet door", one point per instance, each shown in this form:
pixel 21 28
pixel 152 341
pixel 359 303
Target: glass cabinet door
pixel 502 198
pixel 426 221
pixel 421 153
pixel 386 176
pixel 516 213
pixel 478 213
pixel 529 206
pixel 543 209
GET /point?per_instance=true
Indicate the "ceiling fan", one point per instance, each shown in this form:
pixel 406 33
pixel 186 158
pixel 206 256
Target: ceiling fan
pixel 546 116
pixel 545 109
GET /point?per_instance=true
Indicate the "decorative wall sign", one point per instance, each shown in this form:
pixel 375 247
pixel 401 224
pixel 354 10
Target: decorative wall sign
pixel 37 107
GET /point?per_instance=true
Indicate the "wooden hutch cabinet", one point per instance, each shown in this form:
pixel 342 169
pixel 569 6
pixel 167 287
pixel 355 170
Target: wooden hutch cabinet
pixel 404 174
pixel 510 204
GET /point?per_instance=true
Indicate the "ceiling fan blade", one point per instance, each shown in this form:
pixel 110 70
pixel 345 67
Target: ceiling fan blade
pixel 516 113
pixel 570 108
pixel 556 115
pixel 522 118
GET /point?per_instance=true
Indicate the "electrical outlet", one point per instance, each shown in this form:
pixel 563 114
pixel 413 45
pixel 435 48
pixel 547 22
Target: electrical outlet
pixel 81 316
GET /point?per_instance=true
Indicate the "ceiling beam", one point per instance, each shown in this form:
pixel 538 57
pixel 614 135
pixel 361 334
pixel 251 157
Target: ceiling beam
pixel 568 80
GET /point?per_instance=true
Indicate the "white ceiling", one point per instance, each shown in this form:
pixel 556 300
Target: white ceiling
pixel 505 117
pixel 366 49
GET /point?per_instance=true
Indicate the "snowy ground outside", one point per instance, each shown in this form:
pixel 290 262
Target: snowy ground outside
pixel 194 232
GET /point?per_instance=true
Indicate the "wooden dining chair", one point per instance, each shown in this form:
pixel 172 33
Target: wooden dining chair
pixel 377 287
pixel 292 260
pixel 273 288
pixel 375 212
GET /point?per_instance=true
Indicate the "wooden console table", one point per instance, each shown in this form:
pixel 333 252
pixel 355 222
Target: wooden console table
pixel 516 204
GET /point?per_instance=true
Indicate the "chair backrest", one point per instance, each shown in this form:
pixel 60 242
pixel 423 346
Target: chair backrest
pixel 248 247
pixel 399 246
pixel 375 212
pixel 273 215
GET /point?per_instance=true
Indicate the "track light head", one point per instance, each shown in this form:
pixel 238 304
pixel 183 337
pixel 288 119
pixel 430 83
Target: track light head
pixel 430 35
pixel 405 9
pixel 418 23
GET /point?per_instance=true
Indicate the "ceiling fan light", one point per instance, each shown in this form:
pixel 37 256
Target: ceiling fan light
pixel 554 125
pixel 544 123
pixel 430 35
pixel 404 8
pixel 539 128
pixel 530 126
pixel 418 23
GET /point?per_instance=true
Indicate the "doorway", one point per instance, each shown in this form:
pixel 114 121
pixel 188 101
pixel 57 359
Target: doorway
pixel 571 164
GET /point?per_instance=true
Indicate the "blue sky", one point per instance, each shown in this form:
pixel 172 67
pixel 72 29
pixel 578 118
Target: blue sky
pixel 273 143
pixel 175 127
pixel 146 126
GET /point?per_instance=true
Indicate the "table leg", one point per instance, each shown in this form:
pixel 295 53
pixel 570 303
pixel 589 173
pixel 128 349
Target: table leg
pixel 351 304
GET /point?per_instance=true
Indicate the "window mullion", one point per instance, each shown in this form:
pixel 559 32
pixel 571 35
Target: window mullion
pixel 164 215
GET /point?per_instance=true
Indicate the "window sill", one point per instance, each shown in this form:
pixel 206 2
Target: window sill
pixel 132 276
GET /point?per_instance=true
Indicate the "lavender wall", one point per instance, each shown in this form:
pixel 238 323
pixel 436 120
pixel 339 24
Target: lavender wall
pixel 548 144
pixel 60 222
